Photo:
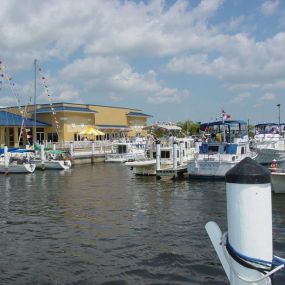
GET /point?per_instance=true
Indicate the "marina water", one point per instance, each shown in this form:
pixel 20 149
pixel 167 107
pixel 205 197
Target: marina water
pixel 98 224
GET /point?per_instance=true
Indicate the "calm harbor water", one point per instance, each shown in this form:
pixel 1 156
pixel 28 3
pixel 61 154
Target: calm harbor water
pixel 98 224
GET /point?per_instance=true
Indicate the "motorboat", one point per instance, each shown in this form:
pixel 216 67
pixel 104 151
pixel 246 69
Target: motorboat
pixel 223 144
pixel 126 151
pixel 269 143
pixel 277 177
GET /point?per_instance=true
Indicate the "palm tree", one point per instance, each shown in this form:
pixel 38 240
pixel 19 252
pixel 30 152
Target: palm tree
pixel 189 127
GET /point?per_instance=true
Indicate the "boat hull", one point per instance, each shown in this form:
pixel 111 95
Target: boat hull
pixel 18 168
pixel 53 164
pixel 278 182
pixel 209 169
pixel 143 168
pixel 265 156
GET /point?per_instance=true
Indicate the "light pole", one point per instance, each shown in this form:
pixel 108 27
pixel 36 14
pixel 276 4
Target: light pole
pixel 278 105
pixel 35 104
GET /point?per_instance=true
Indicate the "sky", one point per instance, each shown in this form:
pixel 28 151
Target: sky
pixel 175 60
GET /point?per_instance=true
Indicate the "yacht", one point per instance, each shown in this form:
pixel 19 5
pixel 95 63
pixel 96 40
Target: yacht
pixel 126 151
pixel 269 143
pixel 223 144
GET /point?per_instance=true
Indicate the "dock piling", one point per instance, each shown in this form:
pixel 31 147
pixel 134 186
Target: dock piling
pixel 249 216
pixel 174 156
pixel 6 159
pixel 158 155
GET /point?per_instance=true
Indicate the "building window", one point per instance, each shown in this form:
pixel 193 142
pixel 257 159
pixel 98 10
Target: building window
pixel 40 135
pixel 52 137
pixel 11 136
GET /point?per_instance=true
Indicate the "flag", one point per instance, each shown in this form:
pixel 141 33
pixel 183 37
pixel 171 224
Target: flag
pixel 225 116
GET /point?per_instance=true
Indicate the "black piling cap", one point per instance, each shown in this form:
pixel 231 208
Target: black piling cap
pixel 248 171
pixel 157 141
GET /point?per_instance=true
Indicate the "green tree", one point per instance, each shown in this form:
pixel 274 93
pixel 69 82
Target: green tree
pixel 189 127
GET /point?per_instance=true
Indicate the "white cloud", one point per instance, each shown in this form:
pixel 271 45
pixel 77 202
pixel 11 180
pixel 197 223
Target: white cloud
pixel 118 80
pixel 239 60
pixel 7 101
pixel 269 7
pixel 265 98
pixel 98 44
pixel 241 97
pixel 167 95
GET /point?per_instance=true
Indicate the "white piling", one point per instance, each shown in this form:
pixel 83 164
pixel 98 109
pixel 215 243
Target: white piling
pixel 249 215
pixel 54 146
pixel 158 155
pixel 197 146
pixel 42 155
pixel 6 159
pixel 174 156
pixel 93 152
pixel 181 152
pixel 71 149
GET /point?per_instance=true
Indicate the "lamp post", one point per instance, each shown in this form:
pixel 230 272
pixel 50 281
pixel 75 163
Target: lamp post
pixel 35 105
pixel 278 105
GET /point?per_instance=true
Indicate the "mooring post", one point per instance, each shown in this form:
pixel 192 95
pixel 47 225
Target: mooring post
pixel 158 154
pixel 42 156
pixel 174 156
pixel 247 248
pixel 249 215
pixel 53 146
pixel 6 159
pixel 71 150
pixel 93 152
pixel 181 152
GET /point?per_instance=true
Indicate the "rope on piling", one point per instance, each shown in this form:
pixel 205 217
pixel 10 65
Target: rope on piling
pixel 268 267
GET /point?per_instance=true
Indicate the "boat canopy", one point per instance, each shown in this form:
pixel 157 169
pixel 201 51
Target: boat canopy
pixel 263 125
pixel 15 150
pixel 230 123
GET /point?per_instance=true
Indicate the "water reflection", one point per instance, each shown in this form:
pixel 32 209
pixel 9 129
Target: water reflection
pixel 101 225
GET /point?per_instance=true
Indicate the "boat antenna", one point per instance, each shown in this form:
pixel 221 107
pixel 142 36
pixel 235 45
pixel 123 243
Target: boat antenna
pixel 35 104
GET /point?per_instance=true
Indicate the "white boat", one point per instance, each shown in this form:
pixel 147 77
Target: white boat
pixel 53 164
pixel 144 167
pixel 278 180
pixel 269 143
pixel 126 151
pixel 53 159
pixel 18 161
pixel 16 167
pixel 225 144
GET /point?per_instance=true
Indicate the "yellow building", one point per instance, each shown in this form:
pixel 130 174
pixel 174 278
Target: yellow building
pixel 65 121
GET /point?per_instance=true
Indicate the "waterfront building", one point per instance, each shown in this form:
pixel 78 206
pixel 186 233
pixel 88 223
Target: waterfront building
pixel 61 122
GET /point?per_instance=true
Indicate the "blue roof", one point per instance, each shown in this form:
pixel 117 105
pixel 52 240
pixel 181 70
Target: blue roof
pixel 138 114
pixel 13 120
pixel 62 109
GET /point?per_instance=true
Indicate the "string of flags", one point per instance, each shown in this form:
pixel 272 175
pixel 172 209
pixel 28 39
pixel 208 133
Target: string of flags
pixel 5 78
pixel 8 79
pixel 49 98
